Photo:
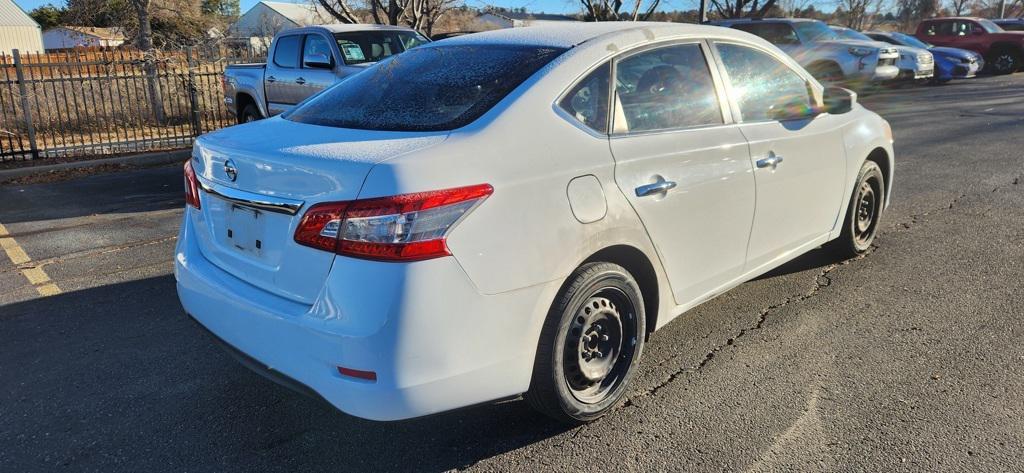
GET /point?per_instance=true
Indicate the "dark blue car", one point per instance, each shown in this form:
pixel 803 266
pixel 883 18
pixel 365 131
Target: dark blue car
pixel 950 63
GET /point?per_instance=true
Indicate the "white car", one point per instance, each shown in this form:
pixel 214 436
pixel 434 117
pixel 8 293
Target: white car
pixel 488 216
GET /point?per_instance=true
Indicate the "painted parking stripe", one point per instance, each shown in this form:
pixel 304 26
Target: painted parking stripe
pixel 35 274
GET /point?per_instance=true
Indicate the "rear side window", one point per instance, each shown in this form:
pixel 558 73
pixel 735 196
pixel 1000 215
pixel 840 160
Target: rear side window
pixel 775 33
pixel 665 88
pixel 588 101
pixel 426 89
pixel 286 53
pixel 760 82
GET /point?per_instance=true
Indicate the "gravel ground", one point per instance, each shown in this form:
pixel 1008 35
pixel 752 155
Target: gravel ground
pixel 907 359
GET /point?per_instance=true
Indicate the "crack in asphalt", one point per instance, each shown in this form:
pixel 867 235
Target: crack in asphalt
pixel 822 280
pixel 88 254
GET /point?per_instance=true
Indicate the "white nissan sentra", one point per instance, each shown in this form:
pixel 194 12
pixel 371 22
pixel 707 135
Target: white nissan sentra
pixel 514 212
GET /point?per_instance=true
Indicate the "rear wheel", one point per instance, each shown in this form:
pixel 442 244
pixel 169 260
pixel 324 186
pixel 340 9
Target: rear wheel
pixel 1004 61
pixel 863 213
pixel 250 113
pixel 590 345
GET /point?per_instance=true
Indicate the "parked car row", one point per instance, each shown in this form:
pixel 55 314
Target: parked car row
pixel 941 50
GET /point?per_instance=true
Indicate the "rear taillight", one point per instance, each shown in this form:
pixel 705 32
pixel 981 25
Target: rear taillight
pixel 191 186
pixel 407 227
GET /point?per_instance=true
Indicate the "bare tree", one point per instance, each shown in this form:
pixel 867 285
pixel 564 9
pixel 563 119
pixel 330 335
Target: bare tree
pixel 742 8
pixel 420 15
pixel 790 7
pixel 612 10
pixel 144 41
pixel 860 14
pixel 960 7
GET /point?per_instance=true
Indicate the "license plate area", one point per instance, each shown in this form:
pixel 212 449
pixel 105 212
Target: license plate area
pixel 245 229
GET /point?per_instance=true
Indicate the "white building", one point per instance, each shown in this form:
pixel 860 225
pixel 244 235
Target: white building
pixel 18 30
pixel 266 19
pixel 66 37
pixel 505 19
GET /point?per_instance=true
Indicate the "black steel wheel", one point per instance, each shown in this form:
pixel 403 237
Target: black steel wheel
pixel 864 212
pixel 250 113
pixel 590 345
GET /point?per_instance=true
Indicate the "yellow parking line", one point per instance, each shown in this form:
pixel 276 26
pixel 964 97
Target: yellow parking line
pixel 35 274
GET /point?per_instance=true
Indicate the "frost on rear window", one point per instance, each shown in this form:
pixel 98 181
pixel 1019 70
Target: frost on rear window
pixel 426 89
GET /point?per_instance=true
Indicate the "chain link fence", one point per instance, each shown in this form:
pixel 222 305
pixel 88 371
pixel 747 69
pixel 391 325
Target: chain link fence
pixel 86 103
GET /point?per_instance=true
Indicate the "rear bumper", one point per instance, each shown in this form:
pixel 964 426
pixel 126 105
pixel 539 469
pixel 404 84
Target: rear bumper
pixel 434 342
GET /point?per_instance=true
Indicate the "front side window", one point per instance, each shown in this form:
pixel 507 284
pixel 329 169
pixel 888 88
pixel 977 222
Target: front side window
pixel 588 100
pixel 426 89
pixel 665 88
pixel 286 53
pixel 359 47
pixel 775 33
pixel 761 84
pixel 316 49
pixel 939 28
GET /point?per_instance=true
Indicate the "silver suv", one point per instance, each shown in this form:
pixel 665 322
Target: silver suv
pixel 821 51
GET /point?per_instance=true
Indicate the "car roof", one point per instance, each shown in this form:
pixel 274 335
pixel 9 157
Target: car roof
pixel 734 21
pixel 565 35
pixel 345 28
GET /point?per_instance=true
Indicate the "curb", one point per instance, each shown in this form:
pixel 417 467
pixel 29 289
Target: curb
pixel 138 160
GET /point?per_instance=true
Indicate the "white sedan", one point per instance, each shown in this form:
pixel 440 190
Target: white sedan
pixel 514 212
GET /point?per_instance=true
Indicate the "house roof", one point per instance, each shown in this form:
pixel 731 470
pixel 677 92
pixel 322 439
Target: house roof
pixel 531 16
pixel 110 34
pixel 12 15
pixel 302 14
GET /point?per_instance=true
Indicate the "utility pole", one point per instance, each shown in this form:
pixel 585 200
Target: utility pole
pixel 1002 8
pixel 703 11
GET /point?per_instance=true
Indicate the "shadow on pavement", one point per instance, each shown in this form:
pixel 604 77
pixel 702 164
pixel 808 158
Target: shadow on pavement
pixel 117 378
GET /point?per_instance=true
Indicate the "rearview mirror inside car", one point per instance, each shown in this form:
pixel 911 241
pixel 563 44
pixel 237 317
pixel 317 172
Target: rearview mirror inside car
pixel 839 100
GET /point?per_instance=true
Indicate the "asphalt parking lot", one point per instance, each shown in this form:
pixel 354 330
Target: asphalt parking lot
pixel 907 359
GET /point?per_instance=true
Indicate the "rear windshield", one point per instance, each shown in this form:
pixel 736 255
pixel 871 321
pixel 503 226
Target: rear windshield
pixel 425 89
pixel 358 47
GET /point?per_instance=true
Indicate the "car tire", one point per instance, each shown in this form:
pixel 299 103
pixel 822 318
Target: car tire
pixel 250 113
pixel 863 213
pixel 1004 61
pixel 590 345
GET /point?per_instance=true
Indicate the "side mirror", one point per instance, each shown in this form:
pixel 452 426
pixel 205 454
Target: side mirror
pixel 317 61
pixel 838 100
pixel 791 109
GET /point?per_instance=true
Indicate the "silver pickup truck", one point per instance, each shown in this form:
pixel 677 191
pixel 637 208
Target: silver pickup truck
pixel 822 52
pixel 304 61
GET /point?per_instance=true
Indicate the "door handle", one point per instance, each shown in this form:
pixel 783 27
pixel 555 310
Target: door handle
pixel 300 81
pixel 271 79
pixel 656 188
pixel 771 161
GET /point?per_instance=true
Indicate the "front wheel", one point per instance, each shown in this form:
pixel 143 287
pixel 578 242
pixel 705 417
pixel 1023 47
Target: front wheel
pixel 590 345
pixel 863 214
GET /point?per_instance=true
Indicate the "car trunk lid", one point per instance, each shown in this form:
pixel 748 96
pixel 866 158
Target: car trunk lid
pixel 259 178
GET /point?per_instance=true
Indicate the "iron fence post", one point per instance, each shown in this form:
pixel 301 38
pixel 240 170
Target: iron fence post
pixel 19 72
pixel 193 101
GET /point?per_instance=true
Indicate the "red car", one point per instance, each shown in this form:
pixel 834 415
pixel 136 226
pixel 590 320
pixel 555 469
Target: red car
pixel 1003 50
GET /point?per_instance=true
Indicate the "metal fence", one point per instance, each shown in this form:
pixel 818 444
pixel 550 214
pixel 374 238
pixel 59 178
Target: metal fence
pixel 83 103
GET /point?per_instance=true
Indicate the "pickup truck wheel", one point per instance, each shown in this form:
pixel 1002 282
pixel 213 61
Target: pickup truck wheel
pixel 250 113
pixel 590 345
pixel 1005 61
pixel 863 213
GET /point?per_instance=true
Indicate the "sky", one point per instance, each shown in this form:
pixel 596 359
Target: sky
pixel 535 6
